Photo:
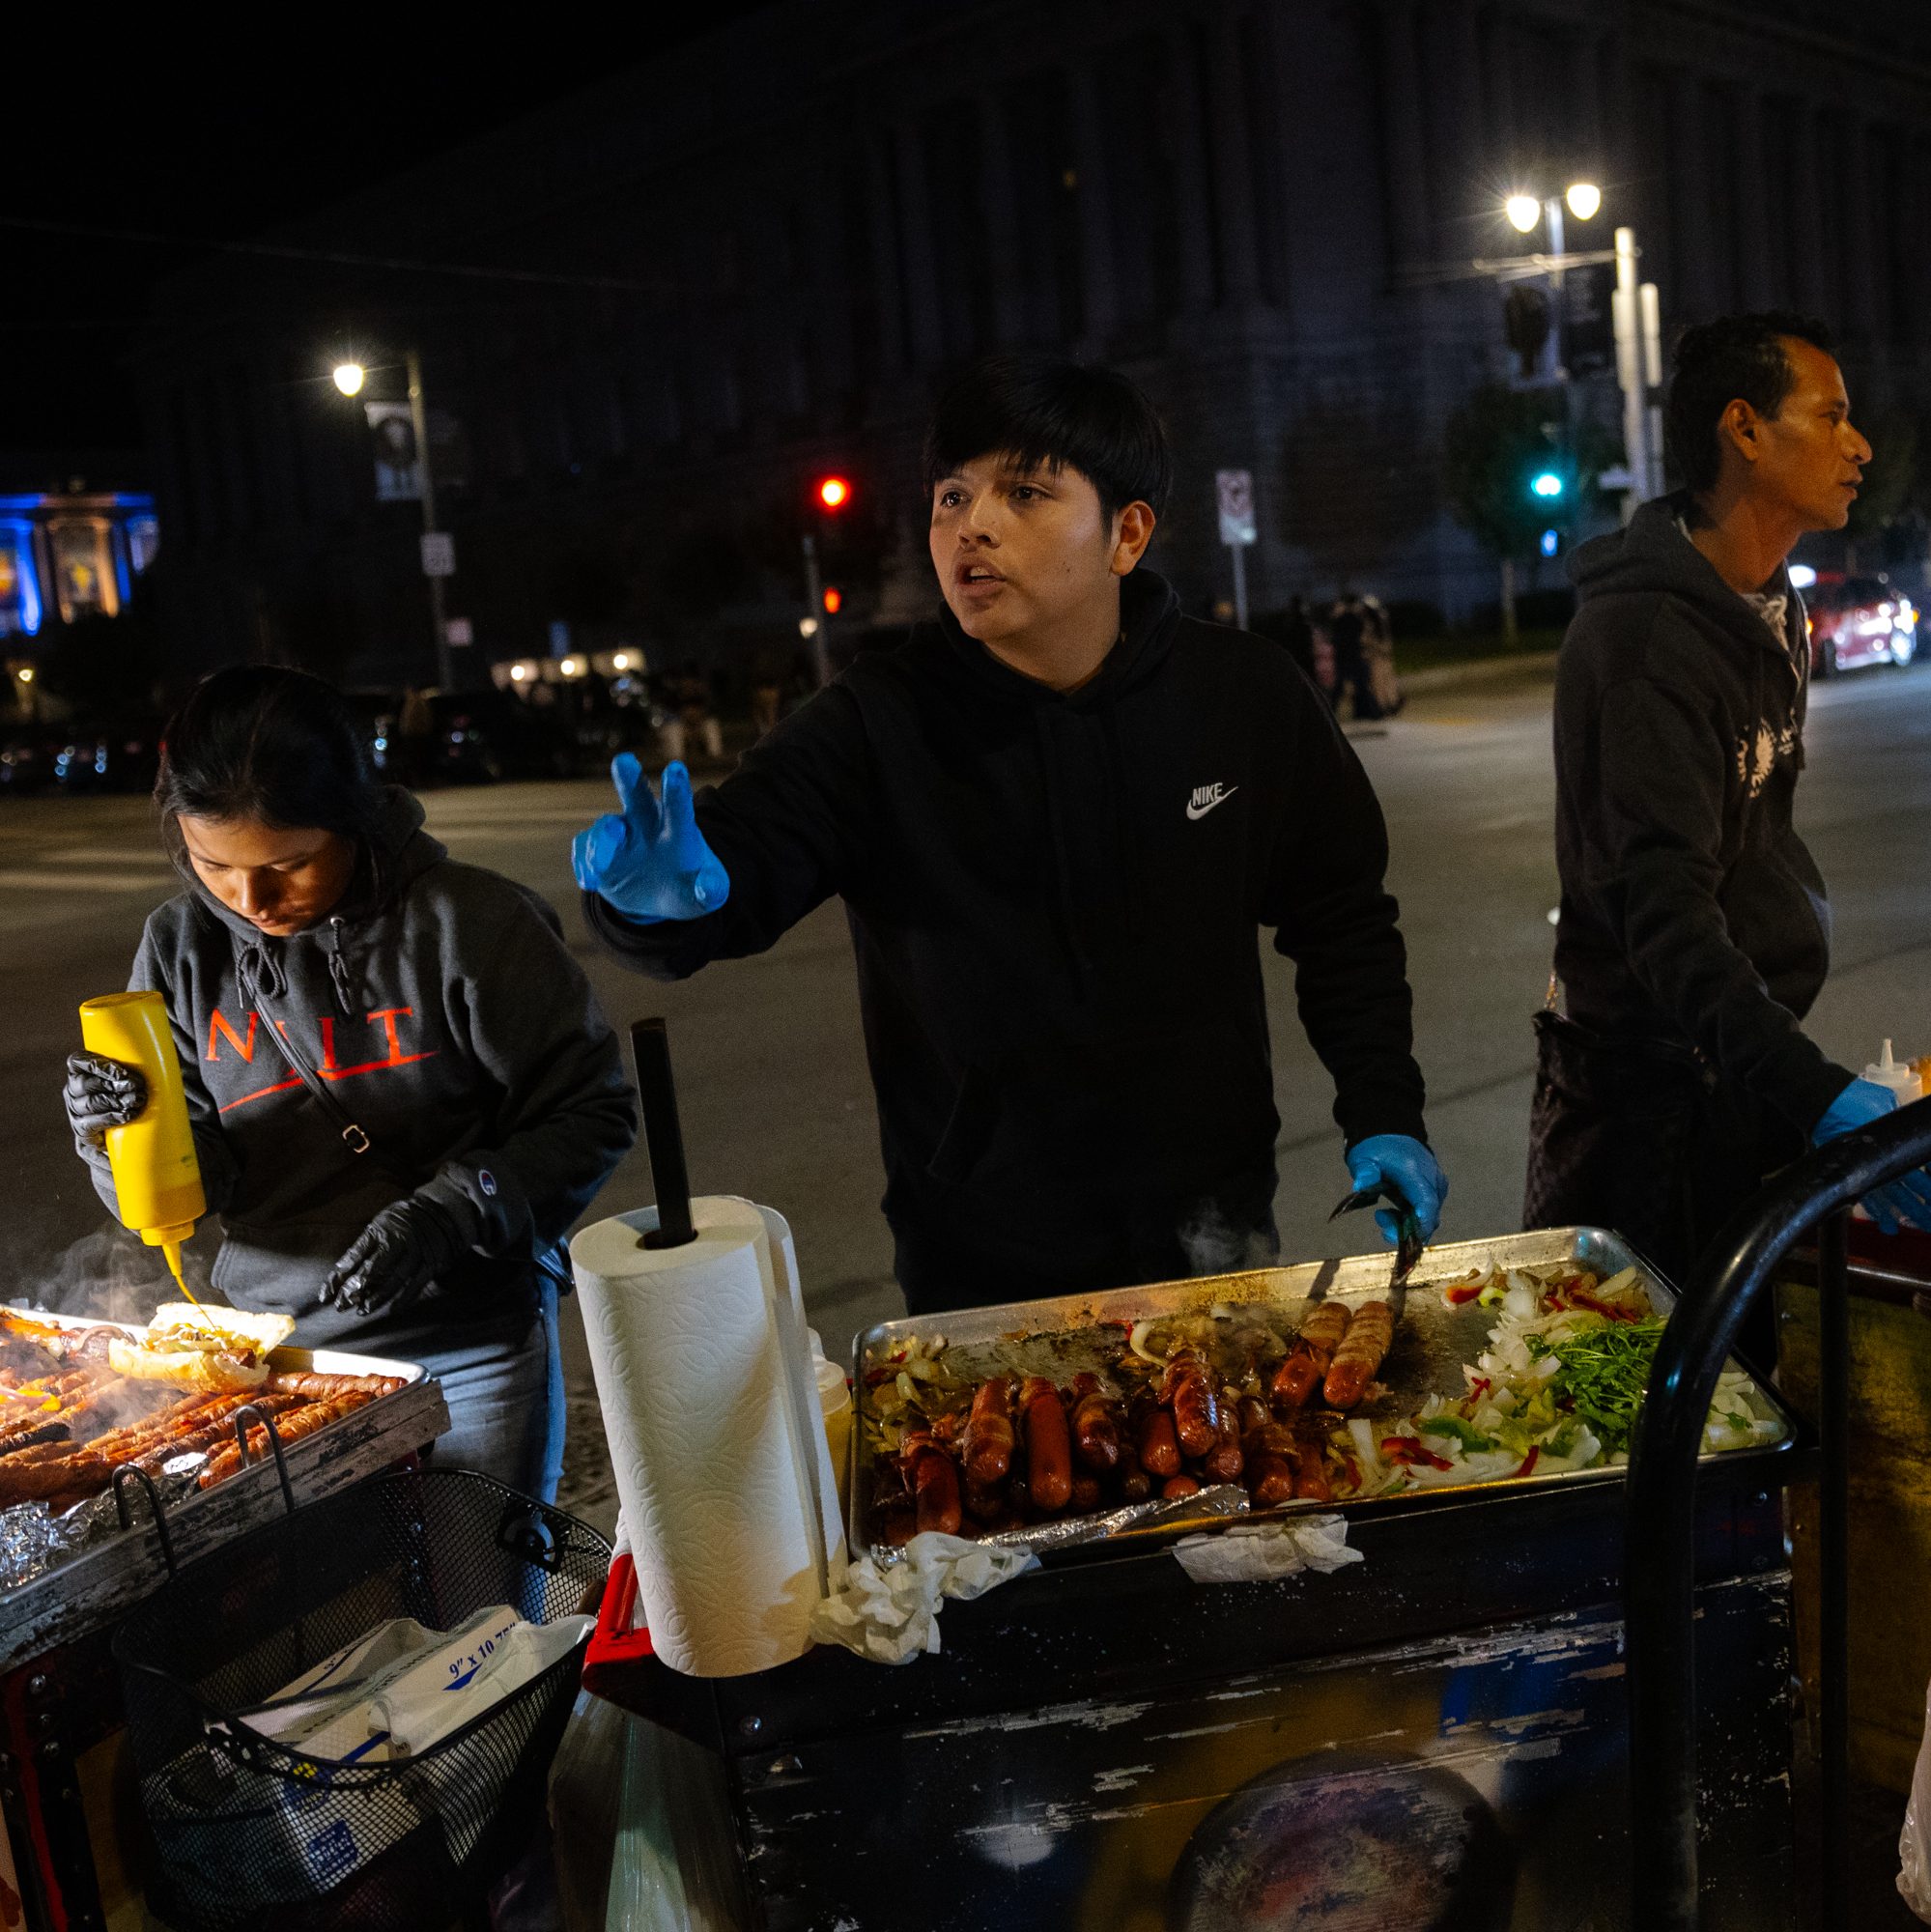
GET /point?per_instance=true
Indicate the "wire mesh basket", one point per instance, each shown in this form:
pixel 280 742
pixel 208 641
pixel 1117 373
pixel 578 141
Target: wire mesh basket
pixel 250 1832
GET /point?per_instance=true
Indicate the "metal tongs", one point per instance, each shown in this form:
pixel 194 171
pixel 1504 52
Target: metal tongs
pixel 1407 1227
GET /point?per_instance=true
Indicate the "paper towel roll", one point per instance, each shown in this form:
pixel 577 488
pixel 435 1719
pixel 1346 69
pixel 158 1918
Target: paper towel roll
pixel 704 1373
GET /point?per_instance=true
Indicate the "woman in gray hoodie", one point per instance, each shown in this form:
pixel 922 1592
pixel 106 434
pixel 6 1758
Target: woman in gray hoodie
pixel 402 1090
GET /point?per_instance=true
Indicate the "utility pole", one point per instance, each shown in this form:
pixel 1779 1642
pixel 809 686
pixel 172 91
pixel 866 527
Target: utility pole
pixel 435 555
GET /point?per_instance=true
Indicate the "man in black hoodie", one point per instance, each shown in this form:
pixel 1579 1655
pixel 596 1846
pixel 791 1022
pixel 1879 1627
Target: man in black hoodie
pixel 1694 932
pixel 1058 819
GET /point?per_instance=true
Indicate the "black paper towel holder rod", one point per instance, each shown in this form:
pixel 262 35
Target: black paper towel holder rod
pixel 663 1134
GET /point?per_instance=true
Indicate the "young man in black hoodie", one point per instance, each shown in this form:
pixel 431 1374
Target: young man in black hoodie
pixel 1694 932
pixel 1058 819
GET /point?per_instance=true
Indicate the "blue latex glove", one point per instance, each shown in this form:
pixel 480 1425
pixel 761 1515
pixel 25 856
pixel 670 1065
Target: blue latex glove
pixel 1907 1198
pixel 1407 1163
pixel 650 861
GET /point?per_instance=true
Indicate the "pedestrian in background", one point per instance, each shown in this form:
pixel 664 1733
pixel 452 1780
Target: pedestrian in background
pixel 1378 647
pixel 1694 935
pixel 1296 635
pixel 1348 633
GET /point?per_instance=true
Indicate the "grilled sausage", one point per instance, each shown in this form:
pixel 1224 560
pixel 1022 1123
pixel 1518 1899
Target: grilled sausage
pixel 1135 1484
pixel 1298 1376
pixel 984 1505
pixel 1360 1354
pixel 1224 1461
pixel 1320 1333
pixel 1086 1492
pixel 1189 1391
pixel 989 1437
pixel 1270 1479
pixel 1178 1486
pixel 1049 1471
pixel 892 1521
pixel 1268 1446
pixel 291 1428
pixel 934 1481
pixel 1156 1445
pixel 1095 1428
pixel 45 1436
pixel 1310 1479
pixel 318 1387
pixel 30 1479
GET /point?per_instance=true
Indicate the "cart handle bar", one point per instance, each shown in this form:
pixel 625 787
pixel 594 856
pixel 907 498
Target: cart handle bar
pixel 1659 1546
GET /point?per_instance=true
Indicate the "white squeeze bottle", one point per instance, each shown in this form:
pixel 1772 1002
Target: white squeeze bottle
pixel 1899 1075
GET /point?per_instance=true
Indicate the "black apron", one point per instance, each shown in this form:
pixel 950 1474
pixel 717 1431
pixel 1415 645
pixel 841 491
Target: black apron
pixel 1641 1135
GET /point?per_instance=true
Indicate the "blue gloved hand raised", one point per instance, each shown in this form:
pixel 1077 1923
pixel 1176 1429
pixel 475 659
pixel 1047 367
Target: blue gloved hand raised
pixel 1907 1198
pixel 648 860
pixel 1408 1164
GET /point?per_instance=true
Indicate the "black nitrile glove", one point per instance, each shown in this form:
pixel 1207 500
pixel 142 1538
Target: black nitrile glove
pixel 100 1093
pixel 404 1247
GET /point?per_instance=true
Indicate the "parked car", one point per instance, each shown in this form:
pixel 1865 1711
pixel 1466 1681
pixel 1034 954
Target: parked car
pixel 26 764
pixel 119 757
pixel 1857 622
pixel 479 736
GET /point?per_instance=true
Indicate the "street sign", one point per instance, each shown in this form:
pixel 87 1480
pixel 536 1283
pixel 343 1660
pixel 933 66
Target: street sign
pixel 1234 489
pixel 438 554
pixel 460 632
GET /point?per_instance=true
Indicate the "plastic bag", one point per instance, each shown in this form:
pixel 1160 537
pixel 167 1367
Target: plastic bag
pixel 1914 1852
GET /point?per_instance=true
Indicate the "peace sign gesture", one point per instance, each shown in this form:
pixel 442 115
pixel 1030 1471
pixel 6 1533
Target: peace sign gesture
pixel 648 860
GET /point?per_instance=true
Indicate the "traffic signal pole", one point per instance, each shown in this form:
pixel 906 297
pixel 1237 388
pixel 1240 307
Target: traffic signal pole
pixel 814 599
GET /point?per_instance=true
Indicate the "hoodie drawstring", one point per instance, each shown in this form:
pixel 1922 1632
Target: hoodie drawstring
pixel 338 967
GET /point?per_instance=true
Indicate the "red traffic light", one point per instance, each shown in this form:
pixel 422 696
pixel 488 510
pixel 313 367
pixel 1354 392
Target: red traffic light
pixel 833 492
pixel 833 600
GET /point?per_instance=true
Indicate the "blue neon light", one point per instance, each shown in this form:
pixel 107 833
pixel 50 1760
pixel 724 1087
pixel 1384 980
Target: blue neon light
pixel 1550 543
pixel 1547 484
pixel 32 610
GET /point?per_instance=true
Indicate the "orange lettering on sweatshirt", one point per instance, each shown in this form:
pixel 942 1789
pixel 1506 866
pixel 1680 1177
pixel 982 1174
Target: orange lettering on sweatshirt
pixel 388 1017
pixel 218 1025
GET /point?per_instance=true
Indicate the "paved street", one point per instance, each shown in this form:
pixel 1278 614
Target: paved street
pixel 770 1068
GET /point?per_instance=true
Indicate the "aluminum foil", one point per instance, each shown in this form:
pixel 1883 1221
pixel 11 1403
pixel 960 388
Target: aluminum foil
pixel 33 1540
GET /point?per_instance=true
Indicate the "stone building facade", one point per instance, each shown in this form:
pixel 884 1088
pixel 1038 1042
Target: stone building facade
pixel 649 315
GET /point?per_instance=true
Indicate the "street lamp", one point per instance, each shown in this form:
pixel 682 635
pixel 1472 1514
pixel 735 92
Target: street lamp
pixel 438 549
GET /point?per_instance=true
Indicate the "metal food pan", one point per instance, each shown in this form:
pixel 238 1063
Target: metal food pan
pixel 102 1581
pixel 1065 1334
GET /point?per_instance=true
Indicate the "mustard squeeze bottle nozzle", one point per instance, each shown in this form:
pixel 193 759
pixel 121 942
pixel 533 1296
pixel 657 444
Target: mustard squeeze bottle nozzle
pixel 157 1175
pixel 1899 1075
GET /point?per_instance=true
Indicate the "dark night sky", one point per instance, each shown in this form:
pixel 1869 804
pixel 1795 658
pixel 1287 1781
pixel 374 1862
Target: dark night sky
pixel 157 124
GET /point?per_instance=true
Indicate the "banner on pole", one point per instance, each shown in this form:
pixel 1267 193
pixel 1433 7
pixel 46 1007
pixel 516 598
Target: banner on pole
pixel 1234 489
pixel 398 472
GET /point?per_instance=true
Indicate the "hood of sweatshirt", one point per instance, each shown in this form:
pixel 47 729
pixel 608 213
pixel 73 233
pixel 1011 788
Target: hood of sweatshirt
pixel 1149 617
pixel 1653 556
pixel 396 853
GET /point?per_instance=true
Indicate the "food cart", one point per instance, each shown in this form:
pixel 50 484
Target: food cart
pixel 1433 1736
pixel 68 1837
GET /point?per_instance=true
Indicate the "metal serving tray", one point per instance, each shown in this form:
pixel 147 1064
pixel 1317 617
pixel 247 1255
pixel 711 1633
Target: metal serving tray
pixel 106 1579
pixel 1063 1335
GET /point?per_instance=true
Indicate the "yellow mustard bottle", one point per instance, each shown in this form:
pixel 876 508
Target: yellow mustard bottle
pixel 157 1177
